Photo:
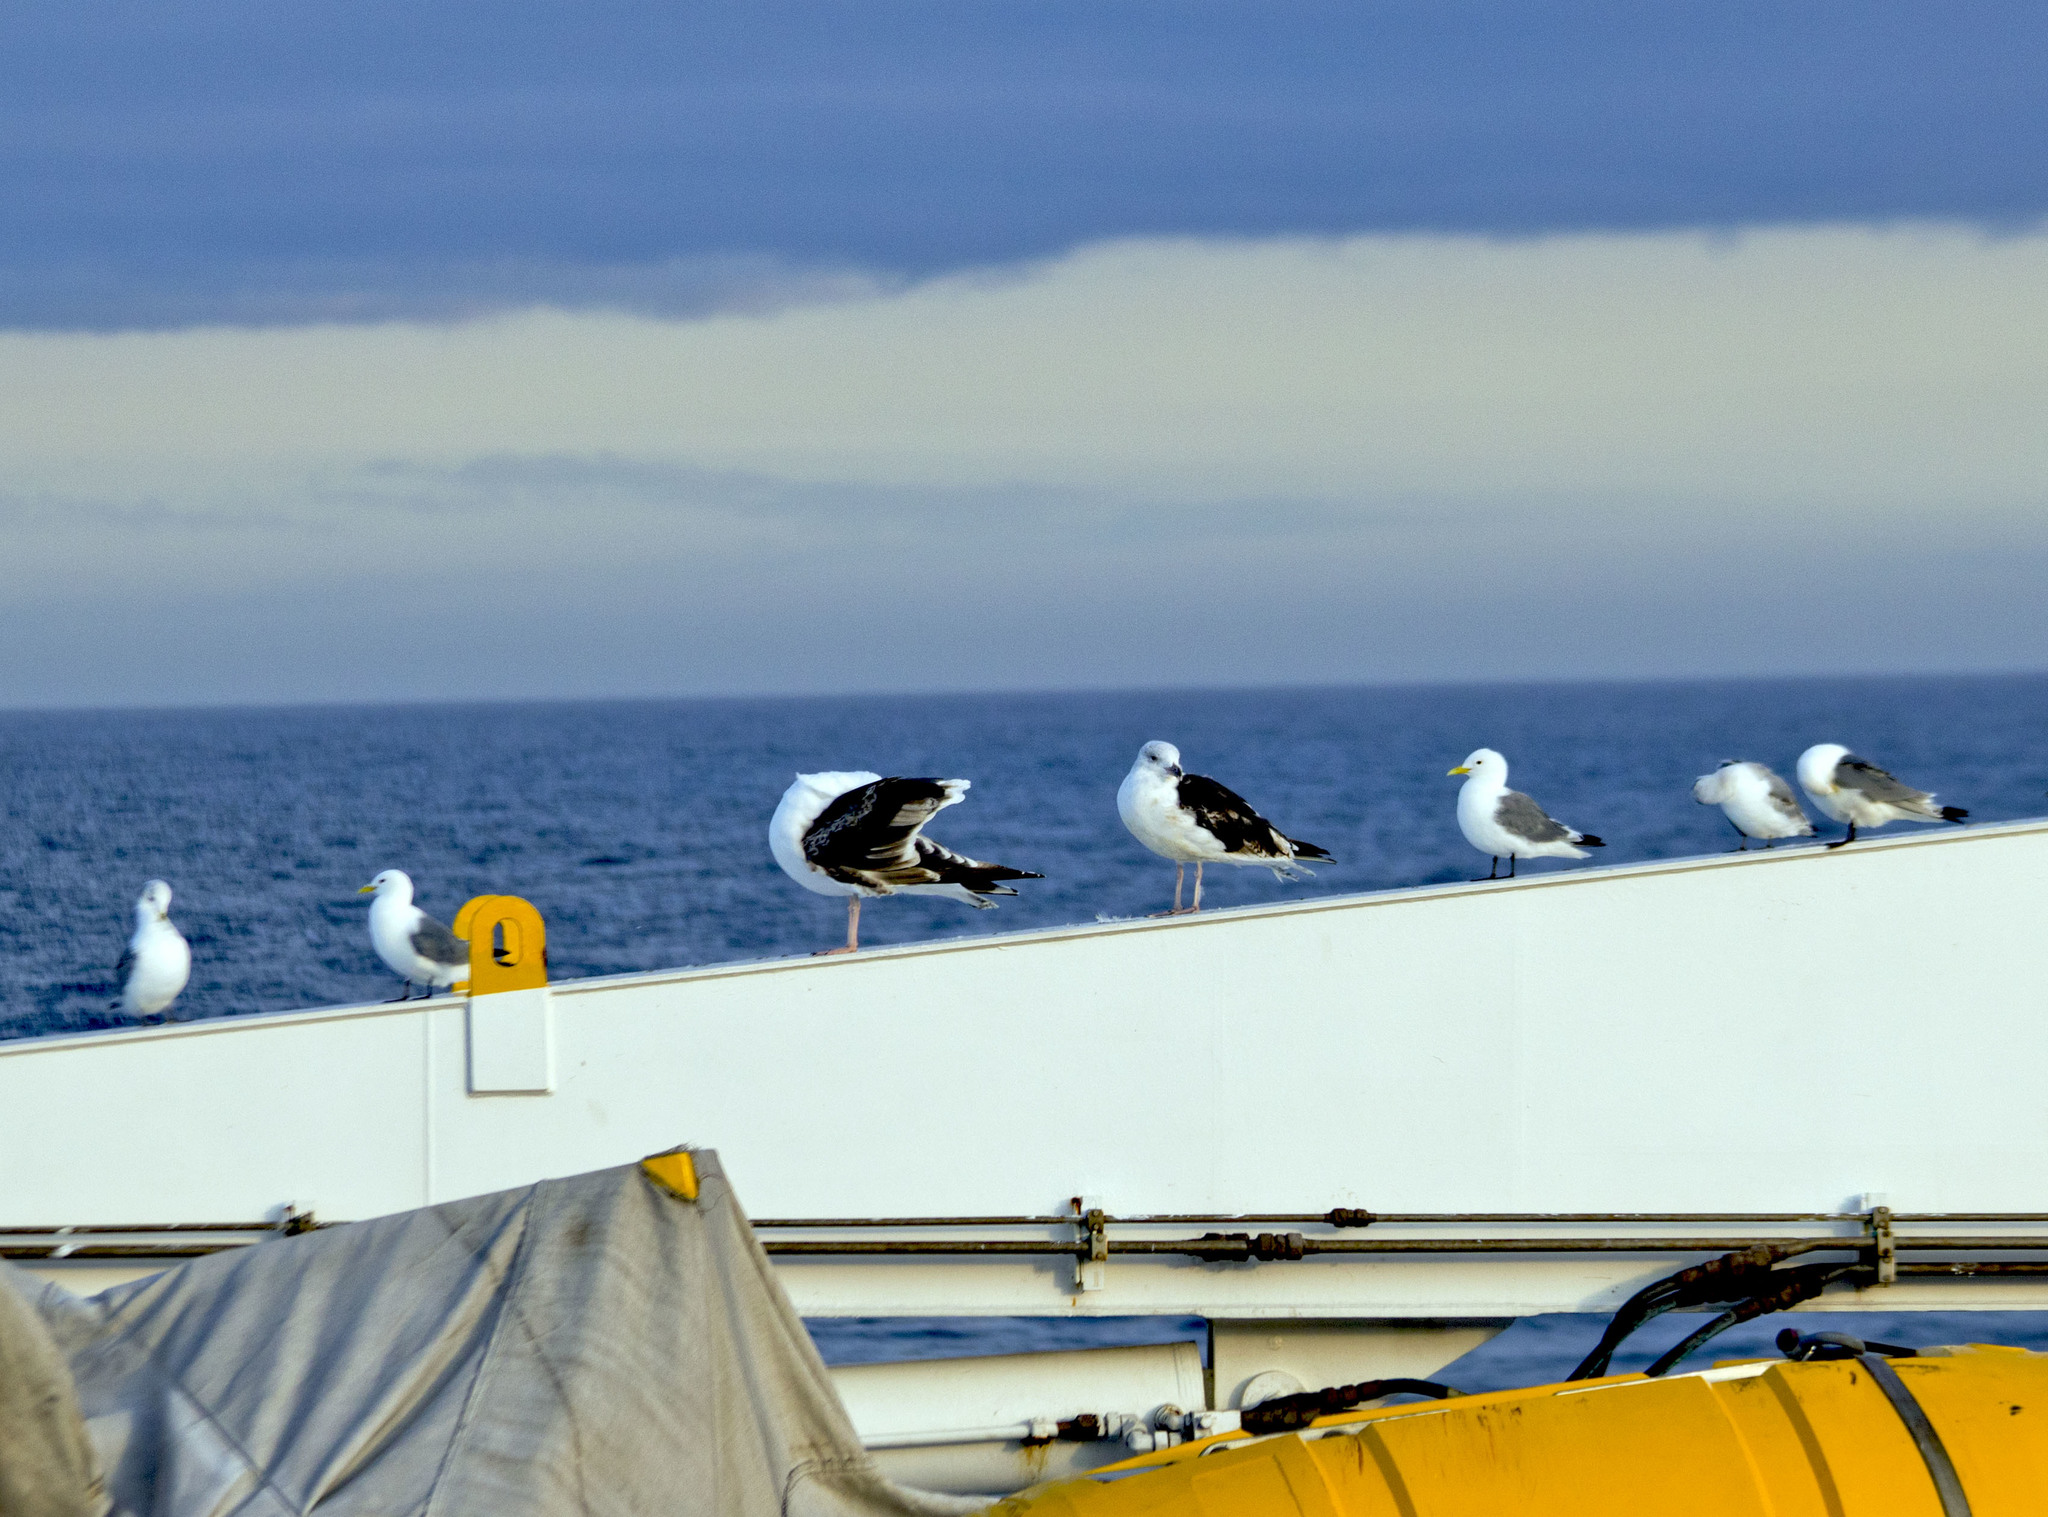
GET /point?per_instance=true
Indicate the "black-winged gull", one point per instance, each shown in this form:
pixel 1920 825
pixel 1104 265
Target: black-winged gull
pixel 854 833
pixel 1191 819
pixel 1506 824
pixel 1855 791
pixel 418 949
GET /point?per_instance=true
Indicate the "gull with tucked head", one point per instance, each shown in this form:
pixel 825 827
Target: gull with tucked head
pixel 158 961
pixel 1506 824
pixel 855 833
pixel 1856 791
pixel 1757 803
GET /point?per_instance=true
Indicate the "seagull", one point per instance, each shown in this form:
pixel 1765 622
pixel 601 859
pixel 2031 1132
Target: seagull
pixel 1756 801
pixel 1505 823
pixel 158 960
pixel 1856 791
pixel 855 833
pixel 419 950
pixel 1191 819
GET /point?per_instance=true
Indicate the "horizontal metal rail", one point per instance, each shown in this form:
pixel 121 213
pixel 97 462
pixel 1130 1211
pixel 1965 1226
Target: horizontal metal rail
pixel 181 1241
pixel 1344 1217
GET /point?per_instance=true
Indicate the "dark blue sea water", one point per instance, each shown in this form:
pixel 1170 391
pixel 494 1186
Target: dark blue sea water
pixel 1534 1351
pixel 639 831
pixel 639 828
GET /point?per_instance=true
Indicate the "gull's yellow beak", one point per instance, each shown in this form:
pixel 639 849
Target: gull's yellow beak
pixel 1461 769
pixel 367 890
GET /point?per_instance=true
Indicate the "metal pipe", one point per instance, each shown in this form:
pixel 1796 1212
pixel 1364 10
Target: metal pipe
pixel 1306 1219
pixel 1222 1248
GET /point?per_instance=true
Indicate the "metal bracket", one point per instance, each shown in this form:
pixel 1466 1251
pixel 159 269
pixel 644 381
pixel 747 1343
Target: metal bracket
pixel 1885 1245
pixel 1091 1255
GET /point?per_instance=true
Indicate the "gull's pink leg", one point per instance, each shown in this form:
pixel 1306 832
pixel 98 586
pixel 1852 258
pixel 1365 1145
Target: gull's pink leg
pixel 1198 885
pixel 852 930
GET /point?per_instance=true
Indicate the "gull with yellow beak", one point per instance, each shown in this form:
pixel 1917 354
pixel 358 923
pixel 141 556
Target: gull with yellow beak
pixel 418 949
pixel 1506 824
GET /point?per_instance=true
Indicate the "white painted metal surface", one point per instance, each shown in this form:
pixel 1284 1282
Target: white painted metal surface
pixel 961 1424
pixel 1746 1033
pixel 996 1397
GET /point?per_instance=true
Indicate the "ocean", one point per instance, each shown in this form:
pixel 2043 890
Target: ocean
pixel 639 828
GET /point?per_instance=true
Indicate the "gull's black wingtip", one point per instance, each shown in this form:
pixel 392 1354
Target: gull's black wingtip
pixel 1587 840
pixel 1953 813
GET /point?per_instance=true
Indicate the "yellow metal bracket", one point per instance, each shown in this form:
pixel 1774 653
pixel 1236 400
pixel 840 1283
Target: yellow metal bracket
pixel 674 1171
pixel 508 944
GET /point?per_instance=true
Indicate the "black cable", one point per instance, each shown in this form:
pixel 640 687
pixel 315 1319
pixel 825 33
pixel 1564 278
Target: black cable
pixel 1713 1329
pixel 1790 1287
pixel 1740 1276
pixel 1836 1346
pixel 1283 1414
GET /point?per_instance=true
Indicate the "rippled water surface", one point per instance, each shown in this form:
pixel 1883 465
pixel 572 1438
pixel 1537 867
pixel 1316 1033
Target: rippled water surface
pixel 639 828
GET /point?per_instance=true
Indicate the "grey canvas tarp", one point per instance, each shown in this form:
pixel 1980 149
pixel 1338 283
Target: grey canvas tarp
pixel 590 1345
pixel 45 1461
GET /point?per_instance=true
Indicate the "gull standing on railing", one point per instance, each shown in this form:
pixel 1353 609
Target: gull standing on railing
pixel 854 833
pixel 1856 791
pixel 1756 801
pixel 1506 824
pixel 1191 819
pixel 158 960
pixel 418 949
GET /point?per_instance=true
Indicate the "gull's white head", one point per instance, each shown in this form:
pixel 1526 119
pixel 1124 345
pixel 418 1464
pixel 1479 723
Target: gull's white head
pixel 1484 764
pixel 392 882
pixel 1817 767
pixel 1160 758
pixel 1711 789
pixel 154 904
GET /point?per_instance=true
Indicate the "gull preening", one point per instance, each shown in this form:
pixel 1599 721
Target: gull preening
pixel 1755 799
pixel 856 834
pixel 158 960
pixel 1855 791
pixel 1191 819
pixel 418 949
pixel 1506 824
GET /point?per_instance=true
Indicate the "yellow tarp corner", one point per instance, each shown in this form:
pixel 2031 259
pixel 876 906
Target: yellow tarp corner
pixel 674 1171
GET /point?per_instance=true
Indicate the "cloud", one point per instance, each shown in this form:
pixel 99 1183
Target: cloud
pixel 1170 461
pixel 242 163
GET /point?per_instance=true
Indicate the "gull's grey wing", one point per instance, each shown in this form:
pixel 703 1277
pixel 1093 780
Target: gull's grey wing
pixel 436 944
pixel 1783 801
pixel 121 967
pixel 1877 784
pixel 1525 819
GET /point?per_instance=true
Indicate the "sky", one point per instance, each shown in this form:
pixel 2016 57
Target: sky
pixel 485 352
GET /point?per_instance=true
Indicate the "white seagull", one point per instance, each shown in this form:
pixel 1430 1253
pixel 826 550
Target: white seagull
pixel 1506 824
pixel 1856 791
pixel 418 949
pixel 1191 819
pixel 158 960
pixel 1756 801
pixel 855 834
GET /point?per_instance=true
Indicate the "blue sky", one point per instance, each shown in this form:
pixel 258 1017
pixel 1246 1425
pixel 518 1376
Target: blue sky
pixel 1308 325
